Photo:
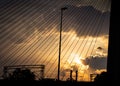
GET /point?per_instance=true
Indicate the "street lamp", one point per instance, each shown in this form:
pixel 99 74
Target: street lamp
pixel 62 9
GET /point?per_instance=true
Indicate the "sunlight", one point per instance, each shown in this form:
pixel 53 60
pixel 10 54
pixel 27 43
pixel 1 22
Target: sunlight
pixel 76 61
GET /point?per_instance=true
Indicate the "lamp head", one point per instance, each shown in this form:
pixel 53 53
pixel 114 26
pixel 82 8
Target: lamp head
pixel 64 8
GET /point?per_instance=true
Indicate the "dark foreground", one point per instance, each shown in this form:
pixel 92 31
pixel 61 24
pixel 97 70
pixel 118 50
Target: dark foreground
pixel 47 83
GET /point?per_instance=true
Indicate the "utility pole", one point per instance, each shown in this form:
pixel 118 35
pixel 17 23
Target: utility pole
pixel 62 9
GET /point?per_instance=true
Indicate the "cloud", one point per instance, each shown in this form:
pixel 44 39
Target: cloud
pixel 25 17
pixel 102 5
pixel 96 63
pixel 99 48
pixel 100 71
pixel 86 21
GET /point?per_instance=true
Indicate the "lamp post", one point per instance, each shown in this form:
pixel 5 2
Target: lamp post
pixel 62 9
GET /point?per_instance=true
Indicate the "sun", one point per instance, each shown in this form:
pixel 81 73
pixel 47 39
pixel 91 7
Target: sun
pixel 76 59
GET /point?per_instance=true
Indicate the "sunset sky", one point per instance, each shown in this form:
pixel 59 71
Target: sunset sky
pixel 29 35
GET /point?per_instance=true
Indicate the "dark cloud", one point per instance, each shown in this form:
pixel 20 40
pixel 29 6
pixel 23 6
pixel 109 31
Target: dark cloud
pixel 102 5
pixel 99 48
pixel 19 19
pixel 96 62
pixel 86 21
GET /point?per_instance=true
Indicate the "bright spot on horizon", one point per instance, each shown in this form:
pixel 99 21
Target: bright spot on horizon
pixel 76 60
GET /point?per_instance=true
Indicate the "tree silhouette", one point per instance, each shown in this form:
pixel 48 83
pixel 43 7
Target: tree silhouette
pixel 19 74
pixel 101 79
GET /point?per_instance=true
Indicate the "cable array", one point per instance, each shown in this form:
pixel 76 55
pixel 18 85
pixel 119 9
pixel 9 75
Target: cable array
pixel 24 22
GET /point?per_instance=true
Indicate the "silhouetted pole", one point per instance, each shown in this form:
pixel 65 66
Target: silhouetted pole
pixel 71 75
pixel 62 9
pixel 76 75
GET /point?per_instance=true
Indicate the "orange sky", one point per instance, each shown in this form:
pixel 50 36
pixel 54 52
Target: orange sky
pixel 29 34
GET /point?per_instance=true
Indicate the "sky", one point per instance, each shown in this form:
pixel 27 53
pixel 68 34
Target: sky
pixel 29 35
